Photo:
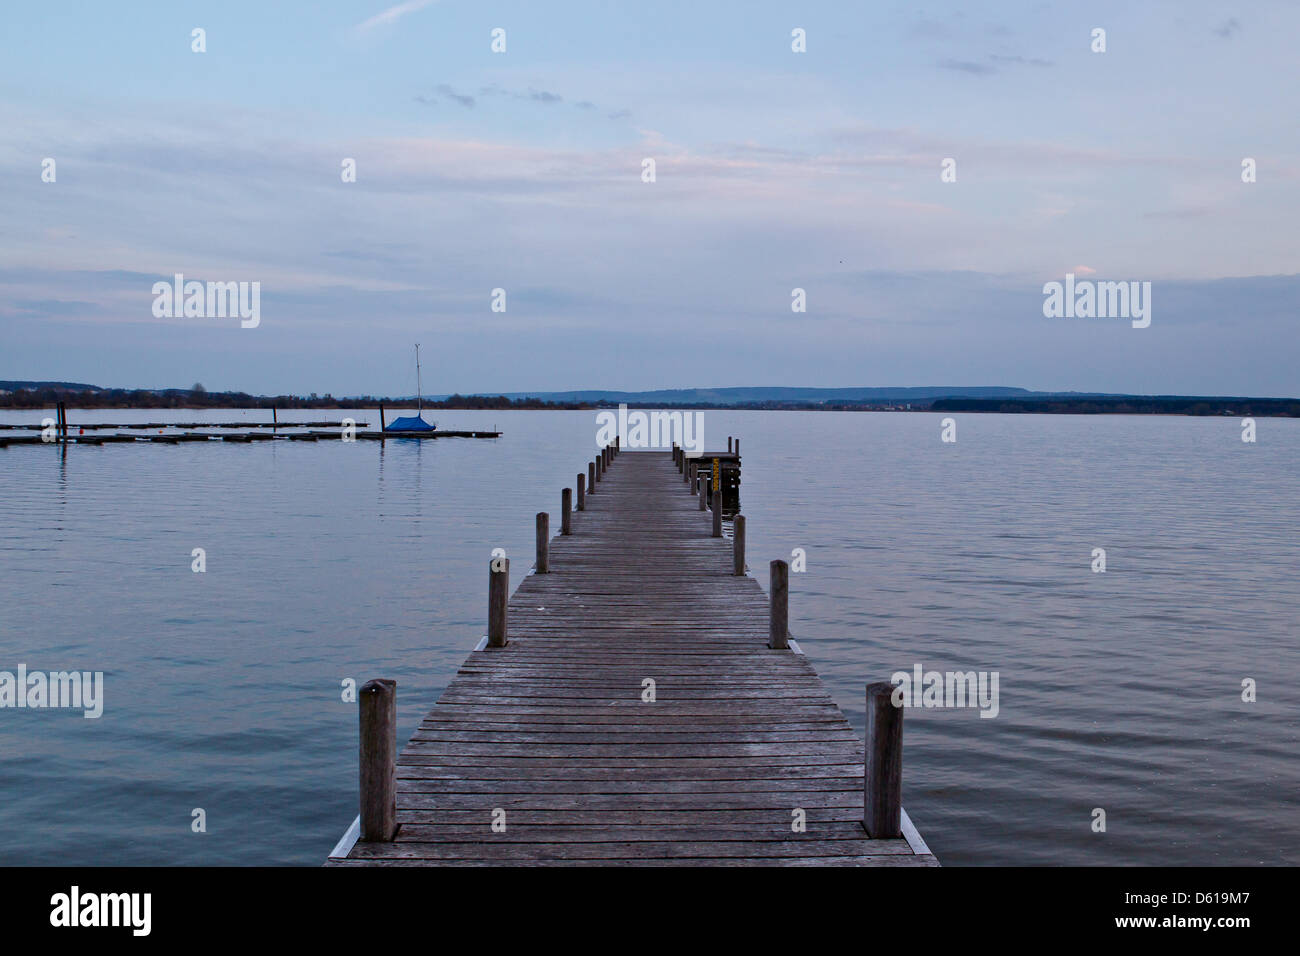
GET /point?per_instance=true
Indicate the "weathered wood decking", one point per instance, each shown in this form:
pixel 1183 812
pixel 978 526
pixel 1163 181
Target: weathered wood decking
pixel 552 729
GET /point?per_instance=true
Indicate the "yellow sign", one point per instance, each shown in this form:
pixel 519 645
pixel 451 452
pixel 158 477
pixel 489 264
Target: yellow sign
pixel 717 472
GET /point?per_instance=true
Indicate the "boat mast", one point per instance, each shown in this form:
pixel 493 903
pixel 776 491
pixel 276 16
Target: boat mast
pixel 419 394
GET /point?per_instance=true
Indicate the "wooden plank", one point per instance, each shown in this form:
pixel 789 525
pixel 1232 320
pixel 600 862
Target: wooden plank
pixel 549 751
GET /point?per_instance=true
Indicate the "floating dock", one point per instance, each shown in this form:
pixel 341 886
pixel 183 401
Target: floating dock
pixel 626 709
pixel 285 433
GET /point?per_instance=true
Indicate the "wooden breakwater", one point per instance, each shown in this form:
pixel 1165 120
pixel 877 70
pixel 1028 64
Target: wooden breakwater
pixel 637 701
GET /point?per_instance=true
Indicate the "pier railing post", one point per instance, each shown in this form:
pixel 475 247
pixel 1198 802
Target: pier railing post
pixel 498 598
pixel 543 542
pixel 882 780
pixel 566 505
pixel 582 498
pixel 591 477
pixel 738 544
pixel 704 492
pixel 778 631
pixel 717 514
pixel 377 705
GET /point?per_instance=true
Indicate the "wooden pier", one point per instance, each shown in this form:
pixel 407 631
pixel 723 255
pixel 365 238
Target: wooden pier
pixel 637 701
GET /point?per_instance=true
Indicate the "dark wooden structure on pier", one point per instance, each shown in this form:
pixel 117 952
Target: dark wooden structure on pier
pixel 637 701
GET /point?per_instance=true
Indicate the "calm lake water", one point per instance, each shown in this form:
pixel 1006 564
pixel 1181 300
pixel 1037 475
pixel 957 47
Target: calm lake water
pixel 328 561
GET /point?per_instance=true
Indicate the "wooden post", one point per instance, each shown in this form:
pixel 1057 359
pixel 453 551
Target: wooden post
pixel 275 419
pixel 778 628
pixel 582 488
pixel 728 444
pixel 717 514
pixel 498 597
pixel 63 422
pixel 738 543
pixel 882 795
pixel 377 704
pixel 737 447
pixel 704 492
pixel 566 506
pixel 600 466
pixel 591 477
pixel 543 565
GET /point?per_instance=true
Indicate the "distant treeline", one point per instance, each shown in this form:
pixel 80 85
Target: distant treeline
pixel 1126 405
pixel 49 394
pixel 199 397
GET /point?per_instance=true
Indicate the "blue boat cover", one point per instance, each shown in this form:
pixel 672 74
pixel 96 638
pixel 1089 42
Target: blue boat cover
pixel 416 424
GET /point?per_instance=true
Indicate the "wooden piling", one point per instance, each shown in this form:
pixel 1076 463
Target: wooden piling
pixel 882 796
pixel 543 563
pixel 704 492
pixel 591 477
pixel 738 544
pixel 275 418
pixel 377 705
pixel 566 506
pixel 498 595
pixel 582 496
pixel 717 514
pixel 778 596
pixel 728 444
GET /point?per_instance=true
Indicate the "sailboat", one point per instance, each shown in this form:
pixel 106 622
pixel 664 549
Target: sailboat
pixel 417 422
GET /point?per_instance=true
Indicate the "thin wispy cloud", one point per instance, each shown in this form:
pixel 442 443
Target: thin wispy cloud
pixel 392 14
pixel 967 66
pixel 1226 29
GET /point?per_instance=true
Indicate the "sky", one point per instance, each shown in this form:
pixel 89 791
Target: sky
pixel 775 170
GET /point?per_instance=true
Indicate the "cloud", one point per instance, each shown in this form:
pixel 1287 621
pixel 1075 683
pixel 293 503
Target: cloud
pixel 966 66
pixel 392 14
pixel 1020 60
pixel 1226 29
pixel 984 69
pixel 464 99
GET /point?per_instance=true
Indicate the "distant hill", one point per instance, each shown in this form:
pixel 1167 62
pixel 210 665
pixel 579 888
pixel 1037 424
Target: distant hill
pixel 33 386
pixel 982 398
pixel 758 393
